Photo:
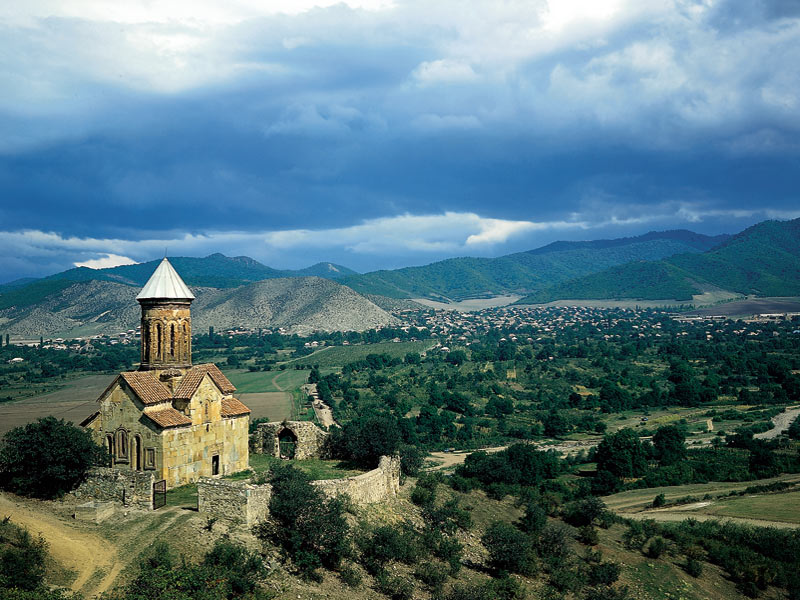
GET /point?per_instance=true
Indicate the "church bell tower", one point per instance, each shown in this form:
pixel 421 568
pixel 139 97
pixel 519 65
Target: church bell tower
pixel 166 321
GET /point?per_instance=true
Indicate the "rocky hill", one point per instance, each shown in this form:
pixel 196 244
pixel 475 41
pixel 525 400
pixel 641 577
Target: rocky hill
pixel 300 304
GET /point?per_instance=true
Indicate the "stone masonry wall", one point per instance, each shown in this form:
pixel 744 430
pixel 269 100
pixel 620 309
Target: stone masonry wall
pixel 130 488
pixel 249 504
pixel 310 438
pixel 374 486
pixel 233 500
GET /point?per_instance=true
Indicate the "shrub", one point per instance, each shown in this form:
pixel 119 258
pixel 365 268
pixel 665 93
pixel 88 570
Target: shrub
pixel 567 577
pixel 604 573
pixel 350 576
pixel 433 575
pixel 583 512
pixel 693 567
pixel 554 540
pixel 311 529
pixel 509 549
pixel 387 543
pixel 22 558
pixel 47 458
pixel 656 547
pixel 659 500
pixel 534 519
pixel 397 588
pixel 588 535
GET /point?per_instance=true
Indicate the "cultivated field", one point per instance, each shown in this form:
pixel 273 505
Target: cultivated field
pixel 338 356
pixel 275 406
pixel 472 304
pixel 751 306
pixel 75 401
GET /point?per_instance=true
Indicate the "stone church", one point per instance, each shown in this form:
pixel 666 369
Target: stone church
pixel 177 420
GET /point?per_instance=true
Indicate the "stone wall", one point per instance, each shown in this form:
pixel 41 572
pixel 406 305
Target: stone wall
pixel 310 439
pixel 233 500
pixel 374 486
pixel 130 488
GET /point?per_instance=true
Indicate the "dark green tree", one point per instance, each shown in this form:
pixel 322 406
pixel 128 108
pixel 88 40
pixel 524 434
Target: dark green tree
pixel 669 443
pixel 622 454
pixel 47 458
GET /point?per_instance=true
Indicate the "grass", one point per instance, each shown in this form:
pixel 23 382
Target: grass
pixel 184 496
pixel 769 507
pixel 248 382
pixel 638 499
pixel 339 356
pixel 316 468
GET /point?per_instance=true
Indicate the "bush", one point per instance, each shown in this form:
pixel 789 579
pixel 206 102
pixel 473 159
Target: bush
pixel 22 558
pixel 311 529
pixel 554 541
pixel 47 458
pixel 509 549
pixel 433 575
pixel 350 576
pixel 604 573
pixel 659 500
pixel 397 588
pixel 588 535
pixel 693 567
pixel 656 547
pixel 387 543
pixel 534 519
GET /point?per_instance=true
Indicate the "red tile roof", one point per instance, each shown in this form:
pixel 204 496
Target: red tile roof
pixel 168 417
pixel 191 381
pixel 145 385
pixel 232 407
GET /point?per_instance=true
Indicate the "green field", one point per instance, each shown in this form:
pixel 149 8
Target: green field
pixel 338 356
pixel 770 507
pixel 638 499
pixel 247 382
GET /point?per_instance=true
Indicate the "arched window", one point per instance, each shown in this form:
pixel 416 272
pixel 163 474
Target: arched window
pixel 122 444
pixel 172 340
pixel 110 446
pixel 158 341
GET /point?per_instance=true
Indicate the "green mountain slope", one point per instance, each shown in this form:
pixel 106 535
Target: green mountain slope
pixel 763 260
pixel 459 278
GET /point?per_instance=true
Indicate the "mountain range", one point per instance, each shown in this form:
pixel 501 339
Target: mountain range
pixel 763 260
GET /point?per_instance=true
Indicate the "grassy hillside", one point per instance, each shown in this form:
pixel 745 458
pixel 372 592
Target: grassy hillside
pixel 763 260
pixel 459 278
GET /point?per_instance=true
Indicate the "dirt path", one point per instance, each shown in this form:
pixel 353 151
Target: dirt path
pixel 780 423
pixel 666 516
pixel 451 459
pixel 83 552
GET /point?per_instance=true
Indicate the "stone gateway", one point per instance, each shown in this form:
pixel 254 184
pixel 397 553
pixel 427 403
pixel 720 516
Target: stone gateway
pixel 179 421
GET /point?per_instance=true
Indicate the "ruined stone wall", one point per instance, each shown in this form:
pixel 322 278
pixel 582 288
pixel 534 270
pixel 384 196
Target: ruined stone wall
pixel 130 488
pixel 310 439
pixel 374 486
pixel 237 501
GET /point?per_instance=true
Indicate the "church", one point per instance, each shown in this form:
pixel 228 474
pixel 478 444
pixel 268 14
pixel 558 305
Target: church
pixel 178 420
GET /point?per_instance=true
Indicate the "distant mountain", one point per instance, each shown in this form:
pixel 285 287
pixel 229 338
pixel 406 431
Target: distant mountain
pixel 216 270
pixel 523 272
pixel 763 260
pixel 299 304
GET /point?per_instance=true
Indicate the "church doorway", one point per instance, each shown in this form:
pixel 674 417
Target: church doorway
pixel 287 443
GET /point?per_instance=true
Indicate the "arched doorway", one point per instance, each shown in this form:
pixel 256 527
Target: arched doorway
pixel 287 443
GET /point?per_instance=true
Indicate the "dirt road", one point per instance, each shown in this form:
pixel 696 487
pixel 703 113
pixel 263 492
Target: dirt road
pixel 445 460
pixel 91 557
pixel 780 423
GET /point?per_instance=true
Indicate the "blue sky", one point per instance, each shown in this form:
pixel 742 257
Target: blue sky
pixel 380 134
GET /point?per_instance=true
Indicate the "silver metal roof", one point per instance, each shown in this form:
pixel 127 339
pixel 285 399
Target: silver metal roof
pixel 165 283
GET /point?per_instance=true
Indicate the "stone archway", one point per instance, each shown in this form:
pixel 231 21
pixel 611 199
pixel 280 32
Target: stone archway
pixel 287 443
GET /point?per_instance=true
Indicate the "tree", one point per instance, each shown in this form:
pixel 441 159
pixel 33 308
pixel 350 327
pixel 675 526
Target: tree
pixel 669 443
pixel 47 458
pixel 366 439
pixel 509 549
pixel 22 558
pixel 622 454
pixel 311 529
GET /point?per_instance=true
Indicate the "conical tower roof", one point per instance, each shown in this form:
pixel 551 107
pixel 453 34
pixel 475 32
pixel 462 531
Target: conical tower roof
pixel 165 283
